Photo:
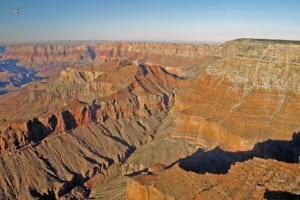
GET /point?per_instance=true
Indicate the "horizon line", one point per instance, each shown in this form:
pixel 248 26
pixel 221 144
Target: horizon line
pixel 85 41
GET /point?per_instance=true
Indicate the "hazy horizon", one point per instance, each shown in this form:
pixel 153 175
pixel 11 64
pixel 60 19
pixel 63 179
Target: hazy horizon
pixel 213 21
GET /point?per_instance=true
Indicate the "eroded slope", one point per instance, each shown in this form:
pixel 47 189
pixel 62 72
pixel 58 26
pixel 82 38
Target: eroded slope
pixel 79 129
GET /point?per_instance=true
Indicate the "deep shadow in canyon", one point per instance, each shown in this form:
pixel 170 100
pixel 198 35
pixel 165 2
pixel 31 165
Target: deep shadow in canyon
pixel 69 120
pixel 37 130
pixel 218 161
pixel 17 75
pixel 280 195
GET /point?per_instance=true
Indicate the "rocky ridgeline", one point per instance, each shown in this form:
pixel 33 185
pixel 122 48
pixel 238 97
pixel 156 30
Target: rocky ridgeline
pixel 17 135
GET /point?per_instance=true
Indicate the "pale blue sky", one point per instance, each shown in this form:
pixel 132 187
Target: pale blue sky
pixel 185 20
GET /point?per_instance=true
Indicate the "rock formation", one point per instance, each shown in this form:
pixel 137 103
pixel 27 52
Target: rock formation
pixel 118 108
pixel 253 179
pixel 50 59
pixel 132 105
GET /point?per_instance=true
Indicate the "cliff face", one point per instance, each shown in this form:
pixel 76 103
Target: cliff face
pixel 163 54
pixel 41 53
pixel 245 93
pixel 259 64
pixel 47 60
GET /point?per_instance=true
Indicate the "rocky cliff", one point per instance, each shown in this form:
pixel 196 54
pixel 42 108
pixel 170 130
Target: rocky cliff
pixel 40 53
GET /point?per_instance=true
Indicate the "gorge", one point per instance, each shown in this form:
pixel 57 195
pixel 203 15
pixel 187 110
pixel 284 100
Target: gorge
pixel 174 121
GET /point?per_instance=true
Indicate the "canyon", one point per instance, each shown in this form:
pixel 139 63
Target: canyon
pixel 121 120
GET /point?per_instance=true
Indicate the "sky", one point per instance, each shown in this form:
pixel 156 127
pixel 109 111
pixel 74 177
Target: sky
pixel 151 20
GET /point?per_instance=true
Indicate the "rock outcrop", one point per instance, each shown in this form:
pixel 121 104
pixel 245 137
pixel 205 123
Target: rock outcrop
pixel 253 179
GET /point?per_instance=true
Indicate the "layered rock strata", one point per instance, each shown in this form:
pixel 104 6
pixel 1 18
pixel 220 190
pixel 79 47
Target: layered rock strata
pixel 103 131
pixel 152 102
